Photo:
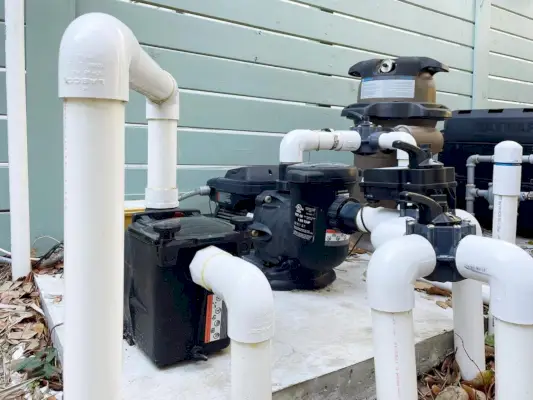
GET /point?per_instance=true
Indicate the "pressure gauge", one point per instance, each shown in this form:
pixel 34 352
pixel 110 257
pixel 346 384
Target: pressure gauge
pixel 386 66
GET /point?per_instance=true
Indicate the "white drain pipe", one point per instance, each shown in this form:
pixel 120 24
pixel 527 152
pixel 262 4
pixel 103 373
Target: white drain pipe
pixel 482 259
pixel 506 177
pixel 99 58
pixel 17 142
pixel 391 274
pixel 250 303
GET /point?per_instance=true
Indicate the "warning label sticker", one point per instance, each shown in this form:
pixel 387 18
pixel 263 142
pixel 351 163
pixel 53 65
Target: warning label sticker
pixel 388 88
pixel 336 238
pixel 304 222
pixel 215 324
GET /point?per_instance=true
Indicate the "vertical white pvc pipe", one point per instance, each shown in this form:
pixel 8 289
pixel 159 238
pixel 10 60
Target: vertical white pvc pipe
pixel 17 138
pixel 468 327
pixel 514 352
pixel 507 175
pixel 394 355
pixel 94 247
pixel 161 190
pixel 250 371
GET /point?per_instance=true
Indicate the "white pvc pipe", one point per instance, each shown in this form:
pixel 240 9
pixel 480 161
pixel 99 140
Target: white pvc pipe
pixel 507 175
pixel 98 59
pixel 250 303
pixel 482 258
pixel 393 338
pixel 391 274
pixel 388 230
pixel 94 243
pixel 448 286
pixel 17 138
pixel 294 143
pixel 468 327
pixel 514 352
pixel 386 140
pixel 368 218
pixel 161 191
pixel 251 371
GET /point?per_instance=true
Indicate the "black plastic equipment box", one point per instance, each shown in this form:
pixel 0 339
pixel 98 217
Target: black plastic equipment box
pixel 471 132
pixel 167 315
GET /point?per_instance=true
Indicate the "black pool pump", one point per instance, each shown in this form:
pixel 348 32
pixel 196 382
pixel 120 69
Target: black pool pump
pixel 301 221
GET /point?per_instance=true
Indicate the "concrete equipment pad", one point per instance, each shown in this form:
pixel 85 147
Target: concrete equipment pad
pixel 322 347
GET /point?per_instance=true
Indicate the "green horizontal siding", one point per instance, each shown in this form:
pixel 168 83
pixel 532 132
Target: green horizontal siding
pixel 4 188
pixel 188 33
pixel 219 148
pixel 311 23
pixel 413 18
pixel 200 72
pixel 5 229
pixel 204 110
pixel 3 141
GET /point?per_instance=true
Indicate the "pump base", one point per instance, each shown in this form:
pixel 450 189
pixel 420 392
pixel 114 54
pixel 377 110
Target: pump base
pixel 291 276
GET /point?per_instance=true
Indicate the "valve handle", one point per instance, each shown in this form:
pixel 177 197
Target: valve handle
pixel 428 209
pixel 416 155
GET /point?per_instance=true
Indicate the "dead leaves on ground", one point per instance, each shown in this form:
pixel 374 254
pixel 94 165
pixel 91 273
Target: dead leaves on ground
pixel 445 383
pixel 28 368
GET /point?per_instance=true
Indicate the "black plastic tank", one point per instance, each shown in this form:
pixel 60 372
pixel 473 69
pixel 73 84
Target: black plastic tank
pixel 167 315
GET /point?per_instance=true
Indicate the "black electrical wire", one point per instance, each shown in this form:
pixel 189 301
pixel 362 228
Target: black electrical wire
pixel 355 244
pixel 48 254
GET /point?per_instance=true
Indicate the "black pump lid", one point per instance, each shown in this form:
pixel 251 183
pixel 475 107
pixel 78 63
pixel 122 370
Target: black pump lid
pixel 404 66
pixel 322 173
pixel 197 227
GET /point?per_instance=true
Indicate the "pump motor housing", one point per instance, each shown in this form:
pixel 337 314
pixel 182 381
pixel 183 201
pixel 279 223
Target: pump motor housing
pixel 299 234
pixel 167 315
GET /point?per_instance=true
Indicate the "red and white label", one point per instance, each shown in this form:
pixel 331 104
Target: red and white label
pixel 336 238
pixel 213 319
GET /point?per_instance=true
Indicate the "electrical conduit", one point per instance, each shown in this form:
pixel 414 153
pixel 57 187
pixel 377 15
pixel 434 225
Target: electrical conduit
pixel 391 274
pixel 250 303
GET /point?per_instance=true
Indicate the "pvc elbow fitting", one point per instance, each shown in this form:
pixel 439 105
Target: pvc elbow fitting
pixel 394 268
pixel 508 270
pixel 244 289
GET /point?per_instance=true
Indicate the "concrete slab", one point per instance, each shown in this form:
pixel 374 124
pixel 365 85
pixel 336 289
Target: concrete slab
pixel 322 347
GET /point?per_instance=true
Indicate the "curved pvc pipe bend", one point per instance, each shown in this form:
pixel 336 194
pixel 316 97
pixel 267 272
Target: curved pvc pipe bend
pixel 110 62
pixel 508 270
pixel 394 268
pixel 294 143
pixel 244 289
pixel 368 218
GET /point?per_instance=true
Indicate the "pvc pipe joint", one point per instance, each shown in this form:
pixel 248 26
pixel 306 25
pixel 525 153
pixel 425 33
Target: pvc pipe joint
pixel 111 61
pixel 394 268
pixel 482 258
pixel 244 289
pixel 294 143
pixel 507 168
